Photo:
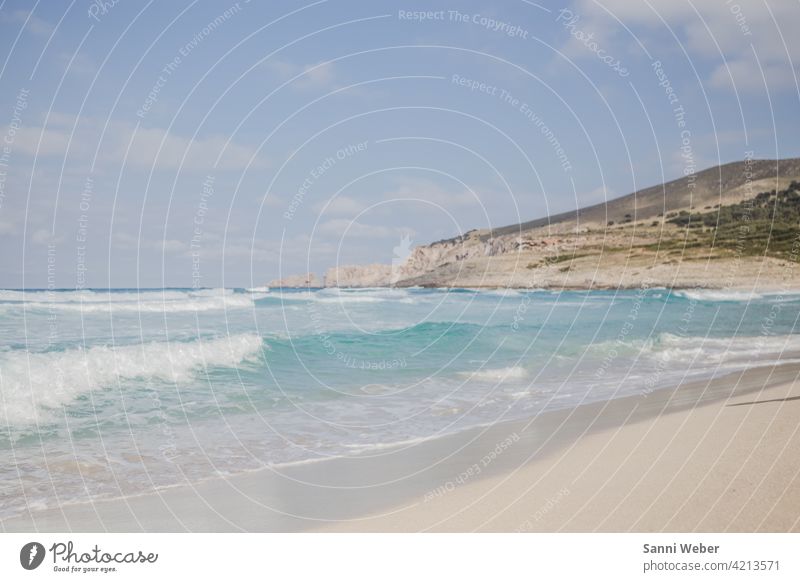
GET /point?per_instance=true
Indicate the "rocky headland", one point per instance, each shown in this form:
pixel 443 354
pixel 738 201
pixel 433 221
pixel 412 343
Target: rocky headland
pixel 733 226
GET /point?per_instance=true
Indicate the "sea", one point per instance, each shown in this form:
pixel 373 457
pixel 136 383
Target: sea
pixel 107 393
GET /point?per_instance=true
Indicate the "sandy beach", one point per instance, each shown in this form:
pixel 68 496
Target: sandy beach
pixel 729 464
pixel 707 456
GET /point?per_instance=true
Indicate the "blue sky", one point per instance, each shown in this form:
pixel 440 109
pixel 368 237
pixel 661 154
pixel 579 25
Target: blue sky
pixel 222 143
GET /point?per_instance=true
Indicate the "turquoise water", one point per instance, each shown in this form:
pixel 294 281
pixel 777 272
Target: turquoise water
pixel 114 392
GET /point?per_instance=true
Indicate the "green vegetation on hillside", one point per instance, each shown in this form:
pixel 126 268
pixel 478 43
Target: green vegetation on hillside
pixel 767 224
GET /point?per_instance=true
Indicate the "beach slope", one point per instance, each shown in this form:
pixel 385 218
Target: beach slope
pixel 716 455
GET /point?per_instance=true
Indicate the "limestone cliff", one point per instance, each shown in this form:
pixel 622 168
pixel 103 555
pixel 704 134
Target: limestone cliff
pixel 297 281
pixel 375 275
pixel 660 236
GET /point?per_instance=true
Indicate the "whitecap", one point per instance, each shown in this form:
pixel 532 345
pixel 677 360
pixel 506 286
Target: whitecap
pixel 33 383
pixel 150 301
pixel 717 295
pixel 497 374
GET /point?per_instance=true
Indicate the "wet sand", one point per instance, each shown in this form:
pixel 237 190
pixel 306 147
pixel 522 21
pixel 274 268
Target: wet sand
pixel 716 455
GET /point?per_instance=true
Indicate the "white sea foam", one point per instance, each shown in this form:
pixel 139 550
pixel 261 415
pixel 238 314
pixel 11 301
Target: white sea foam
pixel 292 295
pixel 89 296
pixel 32 383
pixel 717 295
pixel 700 350
pixel 37 385
pixel 146 301
pixel 366 295
pixel 497 374
pixel 500 292
pixel 364 447
pixel 208 304
pixel 350 299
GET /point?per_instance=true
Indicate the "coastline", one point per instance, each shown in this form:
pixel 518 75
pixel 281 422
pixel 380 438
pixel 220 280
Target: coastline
pixel 713 455
pixel 614 270
pixel 774 287
pixel 711 462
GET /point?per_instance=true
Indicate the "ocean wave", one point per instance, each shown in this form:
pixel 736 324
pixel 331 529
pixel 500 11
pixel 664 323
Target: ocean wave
pixel 508 291
pixel 288 296
pixel 701 350
pixel 497 374
pixel 35 383
pixel 101 296
pixel 145 301
pixel 392 340
pixel 365 295
pixel 373 446
pixel 717 295
pixel 209 304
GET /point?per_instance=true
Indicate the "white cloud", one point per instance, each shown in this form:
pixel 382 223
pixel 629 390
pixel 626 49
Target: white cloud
pixel 8 227
pixel 60 119
pixel 321 74
pixel 33 24
pixel 126 241
pixel 149 147
pixel 36 141
pixel 647 12
pixel 747 75
pixel 308 76
pixel 157 147
pixel 272 200
pixel 172 246
pixel 42 236
pixel 340 206
pixel 742 34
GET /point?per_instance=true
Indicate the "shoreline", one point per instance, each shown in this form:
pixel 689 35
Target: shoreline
pixel 638 475
pixel 768 289
pixel 449 483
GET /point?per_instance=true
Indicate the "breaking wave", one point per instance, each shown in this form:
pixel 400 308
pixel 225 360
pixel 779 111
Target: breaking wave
pixel 142 301
pixel 34 383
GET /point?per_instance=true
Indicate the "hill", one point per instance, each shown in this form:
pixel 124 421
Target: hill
pixel 712 186
pixel 730 226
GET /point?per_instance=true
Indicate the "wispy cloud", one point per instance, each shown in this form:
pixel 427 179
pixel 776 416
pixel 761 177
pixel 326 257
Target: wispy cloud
pixel 740 39
pixel 32 23
pixel 8 227
pixel 340 206
pixel 311 76
pixel 124 142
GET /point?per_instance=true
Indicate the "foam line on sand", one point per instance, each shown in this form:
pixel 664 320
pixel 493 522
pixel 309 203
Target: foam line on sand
pixel 717 455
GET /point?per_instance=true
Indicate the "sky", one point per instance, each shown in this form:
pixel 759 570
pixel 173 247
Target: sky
pixel 212 144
